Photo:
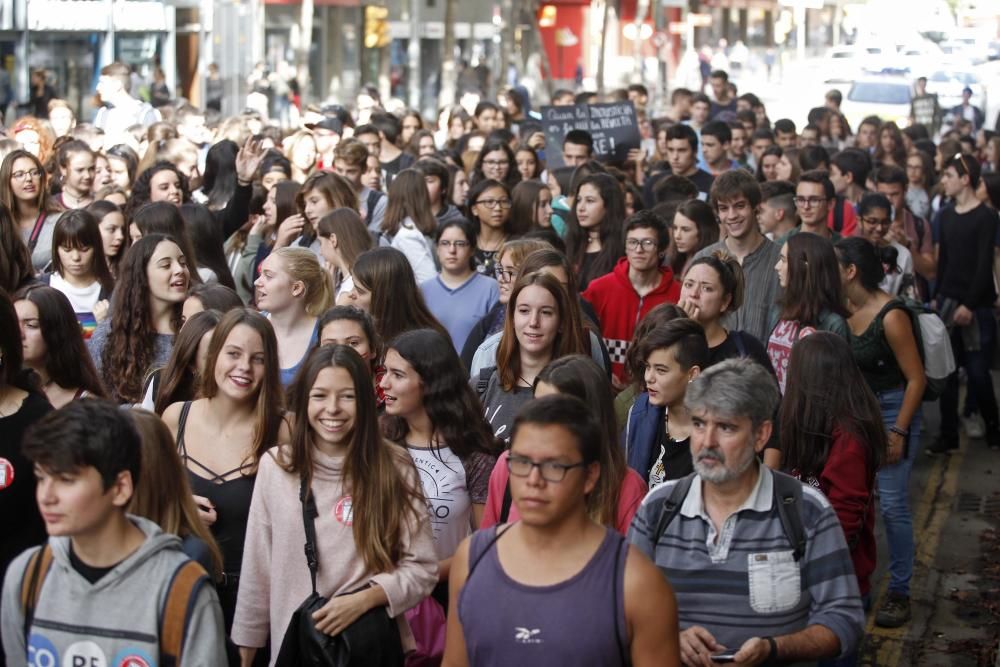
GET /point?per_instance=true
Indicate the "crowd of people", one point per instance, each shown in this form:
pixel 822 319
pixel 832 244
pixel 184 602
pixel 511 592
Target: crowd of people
pixel 599 414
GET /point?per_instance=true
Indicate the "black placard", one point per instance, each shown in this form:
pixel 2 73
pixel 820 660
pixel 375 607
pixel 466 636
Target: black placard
pixel 614 128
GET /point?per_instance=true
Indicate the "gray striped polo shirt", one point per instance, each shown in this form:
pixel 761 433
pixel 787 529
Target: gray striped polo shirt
pixel 743 581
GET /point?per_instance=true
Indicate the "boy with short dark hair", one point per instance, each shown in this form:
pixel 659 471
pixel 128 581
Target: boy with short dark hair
pixel 109 588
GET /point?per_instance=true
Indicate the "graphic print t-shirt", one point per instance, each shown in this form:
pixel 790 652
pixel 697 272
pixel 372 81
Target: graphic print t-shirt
pixel 779 346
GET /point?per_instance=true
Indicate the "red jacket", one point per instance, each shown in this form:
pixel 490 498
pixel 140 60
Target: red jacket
pixel 620 308
pixel 848 483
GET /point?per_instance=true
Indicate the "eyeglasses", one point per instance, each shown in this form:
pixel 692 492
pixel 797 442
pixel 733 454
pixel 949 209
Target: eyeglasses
pixel 551 471
pixel 495 163
pixel 31 173
pixel 809 202
pixel 493 203
pixel 635 244
pixel 881 222
pixel 457 245
pixel 504 275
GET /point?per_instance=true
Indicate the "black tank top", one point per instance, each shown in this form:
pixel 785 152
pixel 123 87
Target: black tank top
pixel 231 497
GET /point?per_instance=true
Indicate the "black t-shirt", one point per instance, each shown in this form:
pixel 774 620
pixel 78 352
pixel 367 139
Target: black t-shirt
pixel 702 179
pixel 88 572
pixel 671 459
pixel 403 161
pixel 740 344
pixel 965 257
pixel 23 525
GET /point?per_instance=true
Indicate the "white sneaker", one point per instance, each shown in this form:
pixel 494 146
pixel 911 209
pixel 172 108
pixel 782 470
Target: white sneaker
pixel 974 426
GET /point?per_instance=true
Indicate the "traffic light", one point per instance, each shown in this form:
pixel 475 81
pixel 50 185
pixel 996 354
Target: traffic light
pixel 376 27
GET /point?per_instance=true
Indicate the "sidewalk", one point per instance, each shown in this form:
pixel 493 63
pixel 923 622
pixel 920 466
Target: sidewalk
pixel 955 592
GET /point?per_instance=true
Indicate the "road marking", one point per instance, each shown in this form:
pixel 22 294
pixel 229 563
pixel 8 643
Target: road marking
pixel 929 515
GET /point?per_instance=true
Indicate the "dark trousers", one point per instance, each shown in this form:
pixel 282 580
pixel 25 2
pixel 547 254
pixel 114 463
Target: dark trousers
pixel 977 365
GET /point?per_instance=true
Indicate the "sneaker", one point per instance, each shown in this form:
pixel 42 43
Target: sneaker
pixel 943 445
pixel 895 611
pixel 973 426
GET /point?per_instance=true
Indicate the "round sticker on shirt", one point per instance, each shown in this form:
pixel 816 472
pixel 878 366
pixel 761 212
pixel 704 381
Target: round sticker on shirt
pixel 132 660
pixel 6 473
pixel 344 511
pixel 84 653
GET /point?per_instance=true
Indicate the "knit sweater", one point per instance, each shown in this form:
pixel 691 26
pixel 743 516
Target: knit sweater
pixel 274 579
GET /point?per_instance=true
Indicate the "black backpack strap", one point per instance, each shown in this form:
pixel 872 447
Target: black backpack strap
pixel 507 500
pixel 671 506
pixel 741 345
pixel 788 498
pixel 497 534
pixel 36 231
pixel 484 380
pixel 370 204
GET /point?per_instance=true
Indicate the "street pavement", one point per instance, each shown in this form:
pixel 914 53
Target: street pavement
pixel 956 581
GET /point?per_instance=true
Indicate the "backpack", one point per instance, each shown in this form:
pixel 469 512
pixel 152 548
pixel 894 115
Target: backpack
pixel 174 617
pixel 482 384
pixel 370 203
pixel 787 496
pixel 934 344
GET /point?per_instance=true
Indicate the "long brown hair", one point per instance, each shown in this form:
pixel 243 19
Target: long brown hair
pixel 373 467
pixel 408 198
pixel 814 284
pixel 336 189
pixel 568 340
pixel 128 351
pixel 15 258
pixel 67 362
pixel 6 173
pixel 162 493
pixel 353 237
pixel 270 395
pixel 579 375
pixel 825 390
pixel 396 303
pixel 179 379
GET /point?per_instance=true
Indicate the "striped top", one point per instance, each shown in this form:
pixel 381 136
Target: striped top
pixel 742 581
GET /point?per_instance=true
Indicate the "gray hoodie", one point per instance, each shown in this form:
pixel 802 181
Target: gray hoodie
pixel 116 620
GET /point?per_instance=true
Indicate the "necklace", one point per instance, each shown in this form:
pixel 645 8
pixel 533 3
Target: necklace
pixel 522 379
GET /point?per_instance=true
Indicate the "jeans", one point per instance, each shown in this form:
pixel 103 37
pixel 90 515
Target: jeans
pixel 977 370
pixel 894 496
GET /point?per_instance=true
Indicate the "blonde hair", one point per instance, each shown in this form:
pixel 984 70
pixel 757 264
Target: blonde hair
pixel 301 264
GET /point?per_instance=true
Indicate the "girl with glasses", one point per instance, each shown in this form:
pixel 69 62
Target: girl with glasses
pixel 875 220
pixel 496 161
pixel 490 212
pixel 458 296
pixel 24 191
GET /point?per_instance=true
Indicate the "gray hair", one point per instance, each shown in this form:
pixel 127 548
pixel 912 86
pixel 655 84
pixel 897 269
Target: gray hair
pixel 735 388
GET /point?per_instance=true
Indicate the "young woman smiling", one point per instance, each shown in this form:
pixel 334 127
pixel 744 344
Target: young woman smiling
pixel 222 436
pixel 458 296
pixel 145 316
pixel 433 413
pixel 161 182
pixel 541 325
pixel 79 269
pixel 24 191
pixel 294 291
pixel 353 327
pixel 53 345
pixel 496 162
pixel 379 556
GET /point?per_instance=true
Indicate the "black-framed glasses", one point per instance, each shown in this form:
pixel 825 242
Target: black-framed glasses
pixel 504 275
pixel 552 471
pixel 457 245
pixel 635 244
pixel 809 202
pixel 493 203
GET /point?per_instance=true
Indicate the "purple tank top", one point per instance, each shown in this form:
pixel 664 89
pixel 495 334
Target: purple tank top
pixel 580 621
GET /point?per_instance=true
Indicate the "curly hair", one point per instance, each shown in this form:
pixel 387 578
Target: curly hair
pixel 141 190
pixel 128 353
pixel 450 402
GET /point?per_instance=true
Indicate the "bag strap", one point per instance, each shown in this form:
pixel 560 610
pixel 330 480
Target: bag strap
pixel 31 586
pixel 507 500
pixel 309 514
pixel 741 345
pixel 187 581
pixel 489 545
pixel 622 653
pixel 788 497
pixel 672 505
pixel 484 380
pixel 370 203
pixel 36 231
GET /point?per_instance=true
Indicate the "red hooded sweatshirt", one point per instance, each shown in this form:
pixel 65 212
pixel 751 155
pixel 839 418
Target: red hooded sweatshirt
pixel 620 308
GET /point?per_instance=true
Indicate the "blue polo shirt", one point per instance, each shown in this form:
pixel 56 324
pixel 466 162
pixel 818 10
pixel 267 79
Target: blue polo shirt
pixel 461 308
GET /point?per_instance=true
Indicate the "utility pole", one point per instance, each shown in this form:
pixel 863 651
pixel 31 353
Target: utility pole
pixel 449 72
pixel 600 56
pixel 413 54
pixel 302 52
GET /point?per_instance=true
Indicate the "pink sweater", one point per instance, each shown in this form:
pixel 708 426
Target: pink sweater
pixel 274 579
pixel 632 493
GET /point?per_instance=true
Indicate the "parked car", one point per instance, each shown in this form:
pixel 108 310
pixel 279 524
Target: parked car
pixel 882 96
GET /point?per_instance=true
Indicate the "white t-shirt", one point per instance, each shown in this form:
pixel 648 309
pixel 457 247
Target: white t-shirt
pixel 82 299
pixel 442 477
pixel 893 282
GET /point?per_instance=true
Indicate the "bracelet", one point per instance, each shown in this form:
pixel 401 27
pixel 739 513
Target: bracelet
pixel 898 431
pixel 773 653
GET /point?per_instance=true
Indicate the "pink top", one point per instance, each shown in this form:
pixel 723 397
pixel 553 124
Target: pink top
pixel 274 579
pixel 633 491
